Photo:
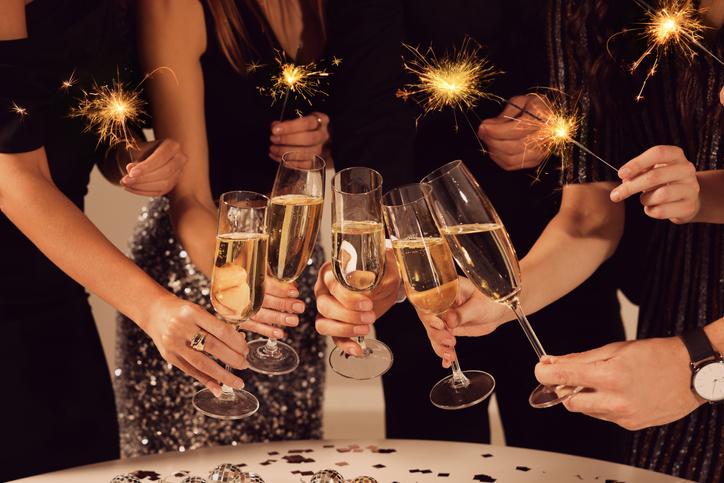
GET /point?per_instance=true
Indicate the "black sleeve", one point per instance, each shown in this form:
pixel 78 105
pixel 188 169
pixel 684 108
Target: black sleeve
pixel 370 125
pixel 24 97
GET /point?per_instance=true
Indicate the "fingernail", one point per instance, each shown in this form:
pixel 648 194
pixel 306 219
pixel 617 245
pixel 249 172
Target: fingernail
pixel 356 351
pixel 624 173
pixel 361 329
pixel 276 130
pixel 615 195
pixel 240 385
pixel 275 139
pixel 365 305
pixel 278 333
pixel 367 317
pixel 447 356
pixel 293 293
pixel 298 307
pixel 126 180
pixel 134 172
pixel 291 320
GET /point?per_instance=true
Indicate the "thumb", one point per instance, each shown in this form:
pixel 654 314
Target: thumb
pixel 599 354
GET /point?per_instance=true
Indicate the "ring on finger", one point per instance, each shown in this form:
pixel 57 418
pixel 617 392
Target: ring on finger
pixel 198 342
pixel 319 123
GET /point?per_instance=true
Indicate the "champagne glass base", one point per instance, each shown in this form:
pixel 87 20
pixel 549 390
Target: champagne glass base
pixel 243 405
pixel 548 396
pixel 446 395
pixel 282 361
pixel 375 363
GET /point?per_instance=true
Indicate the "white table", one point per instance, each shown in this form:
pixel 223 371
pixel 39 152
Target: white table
pixel 463 461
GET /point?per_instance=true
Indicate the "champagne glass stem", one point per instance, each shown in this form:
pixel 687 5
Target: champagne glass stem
pixel 271 345
pixel 227 392
pixel 459 379
pixel 514 305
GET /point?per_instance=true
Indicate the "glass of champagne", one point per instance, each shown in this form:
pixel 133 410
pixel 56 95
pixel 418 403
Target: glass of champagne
pixel 237 286
pixel 358 259
pixel 295 211
pixel 483 250
pixel 431 284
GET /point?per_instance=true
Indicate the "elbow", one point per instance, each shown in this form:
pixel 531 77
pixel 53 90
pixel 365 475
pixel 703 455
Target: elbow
pixel 603 224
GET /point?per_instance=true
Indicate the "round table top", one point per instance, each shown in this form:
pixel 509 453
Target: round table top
pixel 388 461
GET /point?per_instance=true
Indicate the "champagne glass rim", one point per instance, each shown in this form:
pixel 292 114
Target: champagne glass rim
pixel 242 196
pixel 387 202
pixel 441 171
pixel 375 174
pixel 316 157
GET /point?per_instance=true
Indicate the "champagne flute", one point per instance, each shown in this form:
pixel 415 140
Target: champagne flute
pixel 295 211
pixel 482 248
pixel 431 284
pixel 358 259
pixel 237 286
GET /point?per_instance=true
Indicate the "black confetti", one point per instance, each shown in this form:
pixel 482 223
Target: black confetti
pixel 297 458
pixel 522 468
pixel 179 474
pixel 614 481
pixel 487 455
pixel 273 453
pixel 144 474
pixel 378 466
pixel 328 446
pixel 267 462
pixel 443 475
pixel 414 471
pixel 484 478
pixel 295 451
pixel 342 463
pixel 426 471
pixel 386 450
pixel 307 473
pixel 240 465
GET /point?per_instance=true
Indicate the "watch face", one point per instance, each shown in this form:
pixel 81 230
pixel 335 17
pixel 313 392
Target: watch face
pixel 709 381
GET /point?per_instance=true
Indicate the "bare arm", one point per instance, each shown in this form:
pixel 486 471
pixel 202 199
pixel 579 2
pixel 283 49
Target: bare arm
pixel 711 196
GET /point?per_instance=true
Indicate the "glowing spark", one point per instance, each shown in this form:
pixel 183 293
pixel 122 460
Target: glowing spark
pixel 108 110
pixel 303 80
pixel 673 26
pixel 252 67
pixel 336 61
pixel 19 110
pixel 69 82
pixel 457 81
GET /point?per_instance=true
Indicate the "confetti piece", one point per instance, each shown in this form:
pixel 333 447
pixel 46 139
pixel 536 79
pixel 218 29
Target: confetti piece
pixel 443 475
pixel 273 453
pixel 378 466
pixel 487 455
pixel 386 450
pixel 342 463
pixel 328 446
pixel 522 468
pixel 297 458
pixel 484 478
pixel 426 472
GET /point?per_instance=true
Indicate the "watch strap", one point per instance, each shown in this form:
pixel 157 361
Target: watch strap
pixel 698 345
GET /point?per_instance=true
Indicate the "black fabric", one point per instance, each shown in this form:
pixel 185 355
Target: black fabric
pixel 58 405
pixel 373 127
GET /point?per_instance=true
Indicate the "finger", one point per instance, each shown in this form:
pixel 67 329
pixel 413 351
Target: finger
pixel 591 374
pixel 160 156
pixel 330 308
pixel 221 351
pixel 301 124
pixel 677 212
pixel 305 138
pixel 349 299
pixel 432 321
pixel 335 328
pixel 144 174
pixel 203 364
pixel 266 316
pixel 348 346
pixel 283 304
pixel 667 194
pixel 598 354
pixel 588 402
pixel 226 333
pixel 279 151
pixel 650 158
pixel 651 179
pixel 261 328
pixel 274 287
pixel 204 379
pixel 157 188
pixel 505 129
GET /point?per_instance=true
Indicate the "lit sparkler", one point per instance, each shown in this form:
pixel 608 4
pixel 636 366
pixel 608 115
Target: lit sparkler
pixel 304 81
pixel 673 26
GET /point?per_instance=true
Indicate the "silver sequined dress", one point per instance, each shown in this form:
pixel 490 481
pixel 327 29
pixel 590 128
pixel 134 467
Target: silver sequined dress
pixel 154 399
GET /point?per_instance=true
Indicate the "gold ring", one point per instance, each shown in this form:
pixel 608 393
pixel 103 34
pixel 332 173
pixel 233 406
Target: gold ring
pixel 199 341
pixel 319 122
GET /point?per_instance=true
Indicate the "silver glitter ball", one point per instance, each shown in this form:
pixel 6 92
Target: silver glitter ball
pixel 125 479
pixel 364 479
pixel 193 479
pixel 226 473
pixel 251 478
pixel 327 476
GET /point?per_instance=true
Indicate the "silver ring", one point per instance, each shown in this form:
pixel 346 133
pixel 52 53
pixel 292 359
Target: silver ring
pixel 199 341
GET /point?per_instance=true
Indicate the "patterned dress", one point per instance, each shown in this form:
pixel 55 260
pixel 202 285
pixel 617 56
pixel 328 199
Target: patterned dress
pixel 675 272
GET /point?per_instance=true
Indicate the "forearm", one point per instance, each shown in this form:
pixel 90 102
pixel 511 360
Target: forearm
pixel 195 226
pixel 66 236
pixel 711 196
pixel 715 332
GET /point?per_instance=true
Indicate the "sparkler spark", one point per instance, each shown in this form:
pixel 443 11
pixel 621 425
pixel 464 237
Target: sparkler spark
pixel 19 110
pixel 336 61
pixel 69 82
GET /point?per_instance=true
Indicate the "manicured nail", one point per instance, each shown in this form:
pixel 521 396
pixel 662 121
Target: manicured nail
pixel 368 317
pixel 361 329
pixel 298 307
pixel 291 320
pixel 365 305
pixel 447 356
pixel 293 293
pixel 278 333
pixel 277 130
pixel 135 172
pixel 624 172
pixel 275 139
pixel 615 195
pixel 215 391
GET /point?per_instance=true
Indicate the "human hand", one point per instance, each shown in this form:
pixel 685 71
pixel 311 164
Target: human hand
pixel 308 134
pixel 667 182
pixel 279 309
pixel 344 314
pixel 508 139
pixel 172 323
pixel 634 384
pixel 153 168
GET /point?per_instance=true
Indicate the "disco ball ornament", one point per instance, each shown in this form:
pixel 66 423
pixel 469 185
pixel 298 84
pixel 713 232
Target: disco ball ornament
pixel 226 473
pixel 364 479
pixel 125 479
pixel 327 476
pixel 251 478
pixel 193 479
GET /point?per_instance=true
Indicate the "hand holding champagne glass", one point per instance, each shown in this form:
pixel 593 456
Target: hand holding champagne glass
pixel 431 283
pixel 483 250
pixel 237 286
pixel 295 212
pixel 358 259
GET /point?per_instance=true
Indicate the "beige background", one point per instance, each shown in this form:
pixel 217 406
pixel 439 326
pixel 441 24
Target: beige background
pixel 352 409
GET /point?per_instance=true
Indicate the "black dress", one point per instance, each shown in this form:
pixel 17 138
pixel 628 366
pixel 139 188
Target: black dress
pixel 372 127
pixel 674 272
pixel 153 398
pixel 57 405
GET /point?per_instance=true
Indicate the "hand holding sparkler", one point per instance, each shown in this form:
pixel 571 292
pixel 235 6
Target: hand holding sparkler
pixel 153 168
pixel 308 134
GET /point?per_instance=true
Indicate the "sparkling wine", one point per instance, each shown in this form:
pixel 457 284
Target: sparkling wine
pixel 237 279
pixel 428 273
pixel 485 254
pixel 358 253
pixel 293 226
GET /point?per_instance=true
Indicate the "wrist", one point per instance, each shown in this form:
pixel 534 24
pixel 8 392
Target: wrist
pixel 142 311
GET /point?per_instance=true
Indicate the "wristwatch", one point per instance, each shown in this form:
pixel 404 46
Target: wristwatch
pixel 707 366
